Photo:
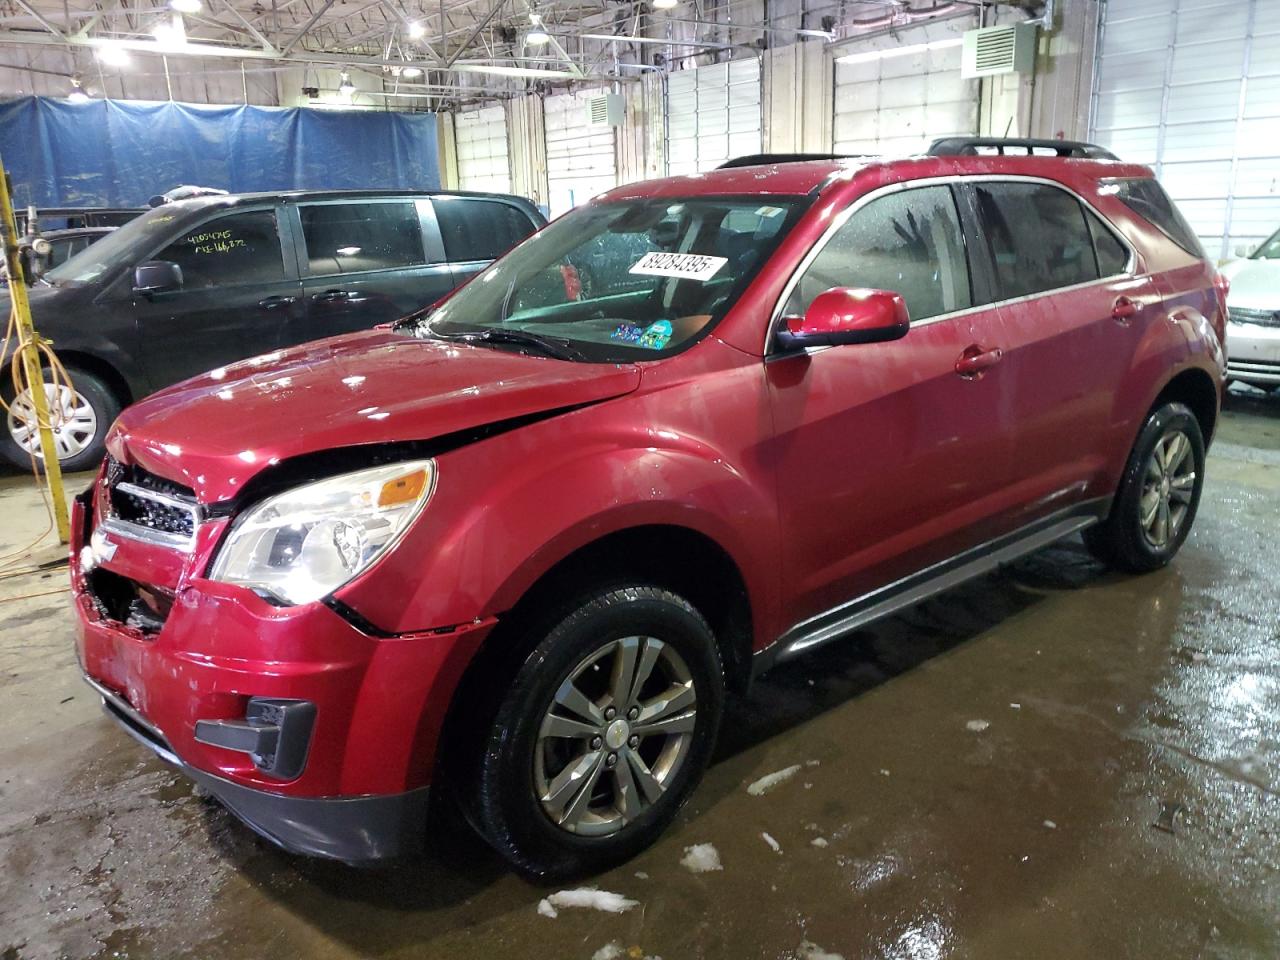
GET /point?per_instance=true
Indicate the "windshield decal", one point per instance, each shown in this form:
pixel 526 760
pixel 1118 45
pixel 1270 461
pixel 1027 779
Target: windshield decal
pixel 686 266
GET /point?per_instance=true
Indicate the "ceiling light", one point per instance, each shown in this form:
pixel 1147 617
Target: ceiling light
pixel 417 30
pixel 171 34
pixel 346 87
pixel 186 6
pixel 537 37
pixel 499 70
pixel 77 95
pixel 113 55
pixel 408 71
pixel 907 50
pixel 664 4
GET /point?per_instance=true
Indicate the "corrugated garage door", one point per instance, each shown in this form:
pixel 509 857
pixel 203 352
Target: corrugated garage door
pixel 895 94
pixel 581 160
pixel 1193 88
pixel 713 113
pixel 481 136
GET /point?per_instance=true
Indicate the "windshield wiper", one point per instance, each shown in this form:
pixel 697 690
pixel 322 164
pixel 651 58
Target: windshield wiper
pixel 551 346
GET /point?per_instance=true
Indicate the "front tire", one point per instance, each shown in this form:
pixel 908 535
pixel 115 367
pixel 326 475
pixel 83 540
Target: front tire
pixel 603 734
pixel 1158 496
pixel 81 417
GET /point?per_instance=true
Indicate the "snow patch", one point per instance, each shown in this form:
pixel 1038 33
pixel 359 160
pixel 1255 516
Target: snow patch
pixel 701 858
pixel 610 951
pixel 771 780
pixel 819 842
pixel 1051 825
pixel 777 847
pixel 977 726
pixel 589 898
pixel 811 951
pixel 545 909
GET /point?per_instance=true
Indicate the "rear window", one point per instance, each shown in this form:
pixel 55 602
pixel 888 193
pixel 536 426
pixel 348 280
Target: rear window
pixel 474 229
pixel 360 236
pixel 1148 200
pixel 1038 235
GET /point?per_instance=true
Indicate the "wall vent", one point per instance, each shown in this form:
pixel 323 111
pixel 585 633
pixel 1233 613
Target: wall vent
pixel 606 110
pixel 992 51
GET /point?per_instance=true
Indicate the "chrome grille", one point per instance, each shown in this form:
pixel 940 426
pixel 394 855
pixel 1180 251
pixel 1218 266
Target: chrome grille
pixel 1264 318
pixel 145 507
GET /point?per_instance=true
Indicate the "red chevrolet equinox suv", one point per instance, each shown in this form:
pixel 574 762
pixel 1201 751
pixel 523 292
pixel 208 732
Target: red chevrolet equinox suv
pixel 520 545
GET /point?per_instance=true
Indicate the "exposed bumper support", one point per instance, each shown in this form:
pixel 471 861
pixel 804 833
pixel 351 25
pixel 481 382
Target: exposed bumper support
pixel 351 829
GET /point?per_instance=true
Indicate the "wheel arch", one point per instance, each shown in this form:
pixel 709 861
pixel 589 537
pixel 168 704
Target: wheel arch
pixel 1196 388
pixel 102 369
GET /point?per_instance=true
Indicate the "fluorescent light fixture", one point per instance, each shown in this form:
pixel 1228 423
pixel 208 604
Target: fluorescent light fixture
pixel 113 55
pixel 908 50
pixel 409 71
pixel 171 34
pixel 664 4
pixel 346 87
pixel 501 71
pixel 186 6
pixel 417 30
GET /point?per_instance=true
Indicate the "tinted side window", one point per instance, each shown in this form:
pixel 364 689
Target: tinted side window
pixel 1148 199
pixel 908 242
pixel 1113 257
pixel 1038 236
pixel 354 237
pixel 475 229
pixel 235 249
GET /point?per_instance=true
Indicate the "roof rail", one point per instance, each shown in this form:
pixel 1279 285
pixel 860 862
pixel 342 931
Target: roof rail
pixel 759 159
pixel 969 146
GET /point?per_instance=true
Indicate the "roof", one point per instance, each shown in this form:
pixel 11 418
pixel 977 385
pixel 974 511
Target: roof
pixel 813 176
pixel 226 199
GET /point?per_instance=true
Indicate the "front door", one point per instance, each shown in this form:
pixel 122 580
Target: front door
pixel 366 262
pixel 890 456
pixel 237 297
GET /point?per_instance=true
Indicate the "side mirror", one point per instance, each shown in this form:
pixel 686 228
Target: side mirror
pixel 157 276
pixel 846 315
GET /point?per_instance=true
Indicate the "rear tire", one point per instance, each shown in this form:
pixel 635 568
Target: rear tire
pixel 87 415
pixel 1158 495
pixel 602 735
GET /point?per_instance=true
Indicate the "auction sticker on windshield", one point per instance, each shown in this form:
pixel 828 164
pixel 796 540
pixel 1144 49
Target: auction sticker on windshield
pixel 686 266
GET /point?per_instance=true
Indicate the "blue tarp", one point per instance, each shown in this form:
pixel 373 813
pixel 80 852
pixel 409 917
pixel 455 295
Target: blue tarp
pixel 120 153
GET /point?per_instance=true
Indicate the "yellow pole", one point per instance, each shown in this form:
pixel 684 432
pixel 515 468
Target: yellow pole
pixel 28 341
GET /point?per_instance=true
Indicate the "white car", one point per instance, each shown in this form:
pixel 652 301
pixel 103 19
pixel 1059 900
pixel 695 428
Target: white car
pixel 1253 305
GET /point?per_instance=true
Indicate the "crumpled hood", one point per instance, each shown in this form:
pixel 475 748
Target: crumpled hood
pixel 212 433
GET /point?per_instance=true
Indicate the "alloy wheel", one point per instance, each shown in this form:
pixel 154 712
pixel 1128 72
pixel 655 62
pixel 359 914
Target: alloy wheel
pixel 1168 486
pixel 616 733
pixel 71 416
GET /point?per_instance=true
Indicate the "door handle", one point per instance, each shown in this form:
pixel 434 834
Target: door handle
pixel 275 303
pixel 1124 309
pixel 975 360
pixel 332 296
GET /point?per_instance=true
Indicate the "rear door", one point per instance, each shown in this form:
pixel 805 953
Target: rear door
pixel 239 293
pixel 366 261
pixel 478 230
pixel 1073 311
pixel 890 457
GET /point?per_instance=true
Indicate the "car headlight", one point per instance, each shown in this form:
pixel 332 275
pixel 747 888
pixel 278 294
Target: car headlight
pixel 300 545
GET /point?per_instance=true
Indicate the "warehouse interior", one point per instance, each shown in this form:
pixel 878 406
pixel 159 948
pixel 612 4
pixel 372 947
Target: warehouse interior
pixel 1051 759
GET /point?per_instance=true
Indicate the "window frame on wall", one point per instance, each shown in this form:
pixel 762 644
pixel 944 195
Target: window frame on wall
pixel 705 86
pixel 1209 75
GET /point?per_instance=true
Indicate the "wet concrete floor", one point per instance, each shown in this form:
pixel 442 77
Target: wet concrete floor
pixel 1051 762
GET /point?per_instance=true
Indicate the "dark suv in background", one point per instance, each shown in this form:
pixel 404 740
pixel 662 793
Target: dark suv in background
pixel 197 284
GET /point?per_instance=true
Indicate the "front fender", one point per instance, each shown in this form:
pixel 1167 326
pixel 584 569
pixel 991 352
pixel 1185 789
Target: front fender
pixel 505 513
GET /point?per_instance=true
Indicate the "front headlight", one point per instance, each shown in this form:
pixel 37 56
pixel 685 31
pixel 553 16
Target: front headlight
pixel 300 545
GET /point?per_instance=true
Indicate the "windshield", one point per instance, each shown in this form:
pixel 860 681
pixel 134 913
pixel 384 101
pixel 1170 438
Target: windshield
pixel 1270 248
pixel 118 248
pixel 620 281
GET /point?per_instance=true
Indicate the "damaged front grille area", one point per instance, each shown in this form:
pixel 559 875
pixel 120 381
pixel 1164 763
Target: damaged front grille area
pixel 145 507
pixel 135 605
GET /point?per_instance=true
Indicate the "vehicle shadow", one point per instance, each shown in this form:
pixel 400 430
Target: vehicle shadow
pixel 460 882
